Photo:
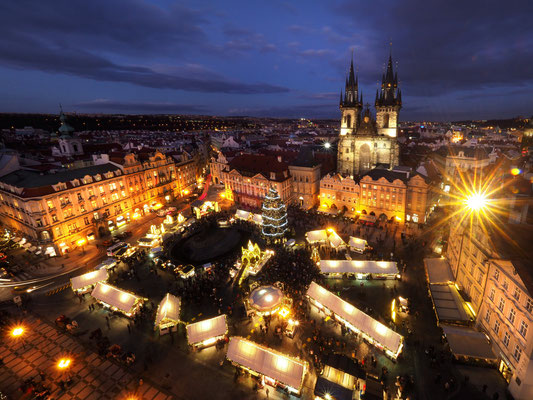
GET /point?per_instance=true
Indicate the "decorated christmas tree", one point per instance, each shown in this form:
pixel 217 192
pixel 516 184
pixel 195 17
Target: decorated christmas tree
pixel 274 213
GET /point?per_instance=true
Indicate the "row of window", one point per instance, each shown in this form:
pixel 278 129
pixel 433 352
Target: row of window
pixel 511 316
pixel 517 353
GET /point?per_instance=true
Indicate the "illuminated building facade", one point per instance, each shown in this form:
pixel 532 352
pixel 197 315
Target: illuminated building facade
pixel 65 209
pixel 364 143
pixel 248 177
pixel 394 194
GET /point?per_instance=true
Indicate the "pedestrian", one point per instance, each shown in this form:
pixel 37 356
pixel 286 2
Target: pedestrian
pixel 129 329
pixel 267 392
pixel 107 322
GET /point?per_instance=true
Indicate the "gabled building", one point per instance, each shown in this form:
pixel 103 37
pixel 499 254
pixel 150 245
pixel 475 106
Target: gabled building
pixel 248 177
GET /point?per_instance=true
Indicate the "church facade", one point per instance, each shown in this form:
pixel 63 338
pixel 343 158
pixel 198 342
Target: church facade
pixel 366 143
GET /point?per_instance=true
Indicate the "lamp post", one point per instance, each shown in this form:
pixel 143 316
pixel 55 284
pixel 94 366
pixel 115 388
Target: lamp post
pixel 63 365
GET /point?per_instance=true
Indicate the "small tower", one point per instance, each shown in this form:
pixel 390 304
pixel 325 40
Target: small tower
pixel 388 102
pixel 350 106
pixel 68 145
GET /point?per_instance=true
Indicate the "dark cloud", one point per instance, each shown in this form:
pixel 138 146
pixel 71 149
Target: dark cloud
pixel 445 46
pixel 70 38
pixel 32 54
pixel 321 96
pixel 244 40
pixel 106 105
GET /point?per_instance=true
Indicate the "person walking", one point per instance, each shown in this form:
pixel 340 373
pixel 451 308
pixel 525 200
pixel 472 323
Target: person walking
pixel 107 322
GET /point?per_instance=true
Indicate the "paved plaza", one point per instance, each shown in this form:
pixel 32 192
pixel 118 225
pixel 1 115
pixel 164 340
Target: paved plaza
pixel 39 350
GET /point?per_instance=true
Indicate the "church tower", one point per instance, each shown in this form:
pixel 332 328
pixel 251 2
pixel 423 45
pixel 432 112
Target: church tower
pixel 388 102
pixel 350 106
pixel 68 145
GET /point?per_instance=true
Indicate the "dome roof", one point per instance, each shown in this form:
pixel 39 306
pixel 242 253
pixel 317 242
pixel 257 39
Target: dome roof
pixel 65 129
pixel 265 298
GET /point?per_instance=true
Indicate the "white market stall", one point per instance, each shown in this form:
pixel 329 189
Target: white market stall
pixel 356 320
pixel 117 299
pixel 272 366
pixel 357 244
pixel 335 240
pixel 107 264
pixel 244 215
pixel 207 332
pixel 317 237
pixel 168 314
pixel 85 283
pixel 360 268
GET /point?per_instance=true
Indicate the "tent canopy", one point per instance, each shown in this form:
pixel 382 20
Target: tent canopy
pixel 364 323
pixel 206 329
pixel 438 270
pixel 468 342
pixel 358 267
pixel 265 298
pixel 287 370
pixel 357 243
pixel 257 218
pixel 168 309
pixel 90 278
pixel 241 214
pixel 335 240
pixel 115 297
pixel 320 236
pixel 449 304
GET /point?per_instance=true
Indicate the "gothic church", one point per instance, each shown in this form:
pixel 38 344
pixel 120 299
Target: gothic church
pixel 364 143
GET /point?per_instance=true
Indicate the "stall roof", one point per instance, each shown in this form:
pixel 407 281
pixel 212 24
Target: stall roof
pixel 317 236
pixel 287 370
pixel 367 218
pixel 358 267
pixel 449 304
pixel 468 342
pixel 241 214
pixel 357 243
pixel 106 263
pixel 169 308
pixel 115 297
pixel 336 391
pixel 438 270
pixel 361 321
pixel 335 240
pixel 257 218
pixel 207 329
pixel 90 278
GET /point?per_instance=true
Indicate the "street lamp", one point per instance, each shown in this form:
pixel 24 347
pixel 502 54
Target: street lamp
pixel 476 201
pixel 64 363
pixel 17 332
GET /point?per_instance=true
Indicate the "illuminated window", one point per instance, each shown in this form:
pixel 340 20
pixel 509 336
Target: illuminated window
pixel 523 329
pixel 506 339
pixel 517 353
pixel 496 327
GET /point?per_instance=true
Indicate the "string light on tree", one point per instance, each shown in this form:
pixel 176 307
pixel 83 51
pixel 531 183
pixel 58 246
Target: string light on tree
pixel 274 213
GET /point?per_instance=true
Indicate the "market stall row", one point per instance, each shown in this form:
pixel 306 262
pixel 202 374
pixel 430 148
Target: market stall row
pixel 360 268
pixel 356 320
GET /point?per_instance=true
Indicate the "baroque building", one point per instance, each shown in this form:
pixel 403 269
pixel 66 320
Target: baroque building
pixel 364 143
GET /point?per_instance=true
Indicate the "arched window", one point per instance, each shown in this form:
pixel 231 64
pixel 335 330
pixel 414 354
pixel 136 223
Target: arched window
pixel 349 121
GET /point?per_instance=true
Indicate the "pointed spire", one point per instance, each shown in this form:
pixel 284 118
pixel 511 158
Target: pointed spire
pixel 377 97
pixel 341 99
pixel 361 101
pixel 356 81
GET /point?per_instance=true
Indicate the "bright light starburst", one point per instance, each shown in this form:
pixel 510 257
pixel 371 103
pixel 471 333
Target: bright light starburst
pixel 476 201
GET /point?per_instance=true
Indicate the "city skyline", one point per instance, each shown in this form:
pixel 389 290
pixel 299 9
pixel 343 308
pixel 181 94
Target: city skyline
pixel 273 60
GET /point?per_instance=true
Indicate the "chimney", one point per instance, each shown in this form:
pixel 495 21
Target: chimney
pixel 279 158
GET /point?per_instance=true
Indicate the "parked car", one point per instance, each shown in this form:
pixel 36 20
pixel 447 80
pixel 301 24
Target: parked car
pixel 123 235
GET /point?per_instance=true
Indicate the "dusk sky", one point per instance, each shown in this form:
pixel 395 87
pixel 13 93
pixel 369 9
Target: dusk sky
pixel 456 59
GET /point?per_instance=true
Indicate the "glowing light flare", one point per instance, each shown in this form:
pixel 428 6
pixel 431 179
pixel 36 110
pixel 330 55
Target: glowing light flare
pixel 17 332
pixel 284 312
pixel 476 201
pixel 516 171
pixel 64 363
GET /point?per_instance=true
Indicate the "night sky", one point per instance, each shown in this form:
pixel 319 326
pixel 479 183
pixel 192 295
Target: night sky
pixel 456 59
